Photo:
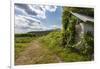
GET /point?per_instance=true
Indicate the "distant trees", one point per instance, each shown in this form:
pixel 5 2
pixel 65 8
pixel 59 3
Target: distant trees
pixel 24 35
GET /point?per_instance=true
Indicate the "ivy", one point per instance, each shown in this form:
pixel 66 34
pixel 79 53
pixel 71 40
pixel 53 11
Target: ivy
pixel 86 44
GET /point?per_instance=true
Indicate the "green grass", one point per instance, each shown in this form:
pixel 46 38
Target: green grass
pixel 37 55
pixel 19 47
pixel 21 43
pixel 23 39
pixel 53 42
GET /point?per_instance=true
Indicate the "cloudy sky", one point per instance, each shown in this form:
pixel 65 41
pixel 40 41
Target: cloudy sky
pixel 29 17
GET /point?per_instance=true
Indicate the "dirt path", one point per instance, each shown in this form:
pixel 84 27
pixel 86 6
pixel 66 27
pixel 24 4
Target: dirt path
pixel 36 54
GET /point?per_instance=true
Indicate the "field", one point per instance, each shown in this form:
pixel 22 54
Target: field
pixel 29 50
pixel 44 49
pixel 21 43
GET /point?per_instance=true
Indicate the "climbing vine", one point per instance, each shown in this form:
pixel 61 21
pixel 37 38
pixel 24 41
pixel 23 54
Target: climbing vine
pixel 68 33
pixel 86 44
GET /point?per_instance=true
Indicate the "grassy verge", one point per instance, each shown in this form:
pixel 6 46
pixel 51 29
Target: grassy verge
pixel 21 43
pixel 53 42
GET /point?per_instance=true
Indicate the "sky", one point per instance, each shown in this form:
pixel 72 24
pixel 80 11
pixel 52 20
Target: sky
pixel 31 17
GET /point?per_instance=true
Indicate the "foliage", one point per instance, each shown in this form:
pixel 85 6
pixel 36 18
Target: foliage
pixel 86 44
pixel 86 11
pixel 23 39
pixel 68 33
pixel 25 35
pixel 19 47
pixel 53 42
pixel 62 43
pixel 21 43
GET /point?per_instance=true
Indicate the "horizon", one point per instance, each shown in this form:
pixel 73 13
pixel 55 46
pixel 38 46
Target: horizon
pixel 38 31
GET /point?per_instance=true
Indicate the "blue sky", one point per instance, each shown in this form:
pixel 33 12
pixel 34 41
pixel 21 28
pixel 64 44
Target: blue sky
pixel 29 17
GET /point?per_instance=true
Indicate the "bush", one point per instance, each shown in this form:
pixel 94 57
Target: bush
pixel 86 45
pixel 53 42
pixel 24 35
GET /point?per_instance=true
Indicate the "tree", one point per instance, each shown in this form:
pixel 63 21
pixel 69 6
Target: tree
pixel 68 31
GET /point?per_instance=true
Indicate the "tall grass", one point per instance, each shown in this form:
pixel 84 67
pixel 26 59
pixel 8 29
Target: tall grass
pixel 23 39
pixel 19 47
pixel 53 42
pixel 21 43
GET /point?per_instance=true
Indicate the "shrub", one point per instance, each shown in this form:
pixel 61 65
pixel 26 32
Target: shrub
pixel 24 35
pixel 86 45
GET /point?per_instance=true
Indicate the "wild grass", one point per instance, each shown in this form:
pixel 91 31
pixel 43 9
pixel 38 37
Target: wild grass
pixel 50 47
pixel 19 47
pixel 53 42
pixel 23 39
pixel 21 43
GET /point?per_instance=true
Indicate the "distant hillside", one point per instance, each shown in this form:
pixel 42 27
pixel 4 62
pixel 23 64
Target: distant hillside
pixel 43 32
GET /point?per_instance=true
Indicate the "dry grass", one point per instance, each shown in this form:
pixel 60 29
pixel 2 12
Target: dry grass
pixel 36 54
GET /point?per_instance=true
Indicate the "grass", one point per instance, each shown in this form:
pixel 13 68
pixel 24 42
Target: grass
pixel 33 53
pixel 49 48
pixel 21 43
pixel 23 39
pixel 19 47
pixel 38 56
pixel 53 42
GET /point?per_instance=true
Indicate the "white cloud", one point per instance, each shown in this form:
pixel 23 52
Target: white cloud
pixel 17 9
pixel 28 20
pixel 55 27
pixel 39 27
pixel 22 24
pixel 38 11
pixel 51 8
pixel 41 9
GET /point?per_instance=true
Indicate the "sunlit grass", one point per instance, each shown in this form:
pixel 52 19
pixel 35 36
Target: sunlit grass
pixel 53 42
pixel 23 39
pixel 19 47
pixel 21 43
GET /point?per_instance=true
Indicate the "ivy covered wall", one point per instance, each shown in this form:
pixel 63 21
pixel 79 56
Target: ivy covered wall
pixel 86 44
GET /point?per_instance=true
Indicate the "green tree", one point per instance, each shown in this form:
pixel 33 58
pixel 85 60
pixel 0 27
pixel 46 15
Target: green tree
pixel 68 32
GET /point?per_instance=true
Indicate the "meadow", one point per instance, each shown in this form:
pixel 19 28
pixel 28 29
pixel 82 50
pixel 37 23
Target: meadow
pixel 53 42
pixel 50 50
pixel 21 43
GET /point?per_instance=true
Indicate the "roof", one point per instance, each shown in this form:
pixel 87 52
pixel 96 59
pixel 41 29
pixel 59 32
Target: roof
pixel 83 17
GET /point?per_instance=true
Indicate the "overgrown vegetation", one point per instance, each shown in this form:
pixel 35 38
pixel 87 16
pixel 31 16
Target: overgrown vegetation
pixel 68 31
pixel 86 44
pixel 53 42
pixel 21 43
pixel 63 43
pixel 24 35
